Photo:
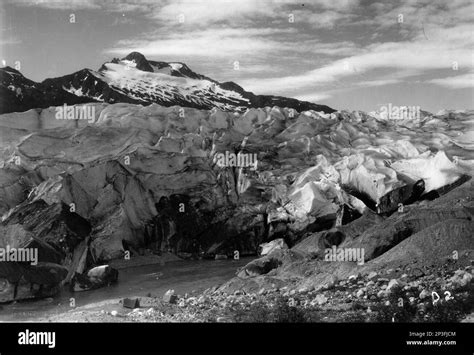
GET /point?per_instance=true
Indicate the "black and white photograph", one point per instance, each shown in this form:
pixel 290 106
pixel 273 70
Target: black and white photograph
pixel 240 165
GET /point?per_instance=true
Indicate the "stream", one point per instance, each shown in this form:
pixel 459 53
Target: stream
pixel 183 276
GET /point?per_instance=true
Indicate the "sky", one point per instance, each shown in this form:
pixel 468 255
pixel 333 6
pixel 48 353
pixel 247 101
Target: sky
pixel 348 54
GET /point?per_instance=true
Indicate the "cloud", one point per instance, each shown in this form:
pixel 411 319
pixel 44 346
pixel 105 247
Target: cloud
pixel 204 12
pixel 378 82
pixel 313 97
pixel 230 43
pixel 59 4
pixel 447 45
pixel 455 82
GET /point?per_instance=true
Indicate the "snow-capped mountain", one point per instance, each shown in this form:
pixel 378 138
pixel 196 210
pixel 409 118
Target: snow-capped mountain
pixel 18 93
pixel 134 79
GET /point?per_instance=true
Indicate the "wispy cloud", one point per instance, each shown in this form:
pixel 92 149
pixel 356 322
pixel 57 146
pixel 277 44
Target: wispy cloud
pixel 232 43
pixel 455 82
pixel 59 4
pixel 448 47
pixel 315 97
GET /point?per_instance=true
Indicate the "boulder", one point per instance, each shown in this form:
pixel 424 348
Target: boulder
pixel 103 274
pixel 96 277
pixel 131 303
pixel 24 281
pixel 170 297
pixel 267 248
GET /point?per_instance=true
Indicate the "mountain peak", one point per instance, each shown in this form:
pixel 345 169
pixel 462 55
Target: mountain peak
pixel 137 56
pixel 140 61
pixel 11 70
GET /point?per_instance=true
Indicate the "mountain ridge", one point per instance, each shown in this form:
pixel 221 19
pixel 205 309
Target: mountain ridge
pixel 135 79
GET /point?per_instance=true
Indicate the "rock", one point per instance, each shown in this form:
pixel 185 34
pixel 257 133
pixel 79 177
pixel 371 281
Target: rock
pixel 404 195
pixel 223 319
pixel 321 299
pixel 460 279
pixel 421 307
pixel 381 294
pixel 353 278
pixel 359 293
pixel 97 277
pixel 147 301
pixel 372 275
pixel 333 280
pixel 170 297
pixel 131 303
pixel 262 265
pixel 24 281
pixel 185 255
pixel 267 248
pixel 423 294
pixel 393 286
pixel 103 275
pixel 114 313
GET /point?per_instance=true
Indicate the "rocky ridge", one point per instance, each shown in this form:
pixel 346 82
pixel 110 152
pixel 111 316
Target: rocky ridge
pixel 137 80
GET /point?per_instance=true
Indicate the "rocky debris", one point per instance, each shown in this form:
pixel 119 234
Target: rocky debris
pixel 349 300
pixel 320 299
pixel 409 264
